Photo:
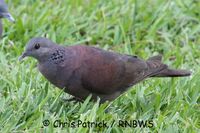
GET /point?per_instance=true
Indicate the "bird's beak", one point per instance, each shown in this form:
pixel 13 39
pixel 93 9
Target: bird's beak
pixel 9 17
pixel 24 54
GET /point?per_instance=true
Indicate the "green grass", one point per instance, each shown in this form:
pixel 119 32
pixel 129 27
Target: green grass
pixel 145 28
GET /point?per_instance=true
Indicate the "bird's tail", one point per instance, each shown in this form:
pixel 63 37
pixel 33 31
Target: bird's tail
pixel 166 72
pixel 172 73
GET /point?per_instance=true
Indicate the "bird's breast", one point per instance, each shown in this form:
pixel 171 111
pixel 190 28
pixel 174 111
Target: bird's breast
pixel 57 74
pixel 50 72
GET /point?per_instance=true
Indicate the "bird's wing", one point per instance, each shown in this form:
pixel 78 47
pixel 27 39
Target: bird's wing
pixel 106 72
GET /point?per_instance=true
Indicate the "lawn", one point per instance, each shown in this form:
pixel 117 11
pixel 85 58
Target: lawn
pixel 144 28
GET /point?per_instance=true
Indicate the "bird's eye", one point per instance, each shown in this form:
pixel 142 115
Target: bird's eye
pixel 37 46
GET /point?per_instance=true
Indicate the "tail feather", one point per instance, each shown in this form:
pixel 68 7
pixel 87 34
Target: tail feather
pixel 172 73
pixel 155 62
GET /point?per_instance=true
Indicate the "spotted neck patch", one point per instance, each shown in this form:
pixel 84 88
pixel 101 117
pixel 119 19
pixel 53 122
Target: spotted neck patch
pixel 58 56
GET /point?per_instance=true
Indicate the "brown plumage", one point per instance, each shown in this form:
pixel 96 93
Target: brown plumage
pixel 84 70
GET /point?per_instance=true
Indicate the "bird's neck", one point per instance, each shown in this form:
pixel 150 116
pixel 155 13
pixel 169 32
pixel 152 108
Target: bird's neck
pixel 43 59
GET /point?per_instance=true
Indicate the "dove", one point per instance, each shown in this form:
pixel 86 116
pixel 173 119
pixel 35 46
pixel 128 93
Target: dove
pixel 4 13
pixel 82 70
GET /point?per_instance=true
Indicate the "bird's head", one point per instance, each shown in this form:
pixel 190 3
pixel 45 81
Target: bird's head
pixel 38 48
pixel 4 13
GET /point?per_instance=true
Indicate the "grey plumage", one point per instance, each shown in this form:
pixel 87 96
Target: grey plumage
pixel 83 70
pixel 4 13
